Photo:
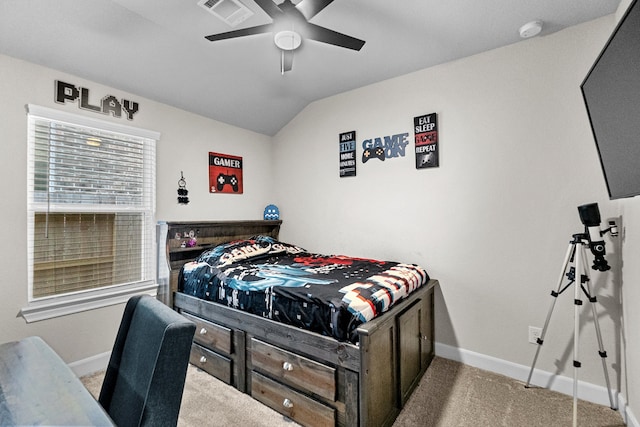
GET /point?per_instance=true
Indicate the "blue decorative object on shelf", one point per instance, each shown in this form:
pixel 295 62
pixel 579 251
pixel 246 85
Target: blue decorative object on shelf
pixel 271 212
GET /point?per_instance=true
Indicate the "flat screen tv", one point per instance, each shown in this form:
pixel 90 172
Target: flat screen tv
pixel 611 94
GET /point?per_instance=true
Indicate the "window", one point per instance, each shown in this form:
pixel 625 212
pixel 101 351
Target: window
pixel 91 206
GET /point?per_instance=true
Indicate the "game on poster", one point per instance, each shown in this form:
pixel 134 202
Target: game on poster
pixel 426 135
pixel 347 141
pixel 225 173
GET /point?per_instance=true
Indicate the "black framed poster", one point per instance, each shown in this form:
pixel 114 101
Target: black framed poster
pixel 347 141
pixel 225 173
pixel 426 136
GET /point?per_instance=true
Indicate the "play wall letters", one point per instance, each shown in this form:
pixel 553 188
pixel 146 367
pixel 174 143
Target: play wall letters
pixel 108 105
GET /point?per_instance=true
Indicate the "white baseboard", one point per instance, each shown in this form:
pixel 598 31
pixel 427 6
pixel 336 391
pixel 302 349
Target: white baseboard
pixel 586 391
pixel 91 364
pixel 628 416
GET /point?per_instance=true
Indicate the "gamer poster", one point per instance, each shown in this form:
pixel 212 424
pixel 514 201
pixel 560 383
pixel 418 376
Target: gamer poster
pixel 426 136
pixel 225 173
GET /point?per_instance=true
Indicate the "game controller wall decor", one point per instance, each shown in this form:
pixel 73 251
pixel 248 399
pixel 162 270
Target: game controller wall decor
pixel 347 141
pixel 426 136
pixel 225 173
pixel 385 147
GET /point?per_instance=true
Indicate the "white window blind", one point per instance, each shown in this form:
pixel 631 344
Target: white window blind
pixel 91 205
pixel 83 166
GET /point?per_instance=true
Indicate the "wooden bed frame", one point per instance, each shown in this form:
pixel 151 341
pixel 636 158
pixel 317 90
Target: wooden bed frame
pixel 313 379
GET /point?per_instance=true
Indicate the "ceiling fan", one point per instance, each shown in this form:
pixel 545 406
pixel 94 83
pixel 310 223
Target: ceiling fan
pixel 291 25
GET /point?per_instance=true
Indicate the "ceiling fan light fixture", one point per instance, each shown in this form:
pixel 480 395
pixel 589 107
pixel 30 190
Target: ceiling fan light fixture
pixel 287 40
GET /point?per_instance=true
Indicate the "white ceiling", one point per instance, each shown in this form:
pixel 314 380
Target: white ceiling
pixel 156 49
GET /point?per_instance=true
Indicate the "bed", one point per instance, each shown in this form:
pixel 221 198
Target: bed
pixel 280 324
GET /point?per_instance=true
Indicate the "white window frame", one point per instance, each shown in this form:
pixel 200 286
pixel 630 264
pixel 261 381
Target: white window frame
pixel 61 305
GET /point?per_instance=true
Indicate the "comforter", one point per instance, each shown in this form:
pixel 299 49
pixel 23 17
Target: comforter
pixel 327 294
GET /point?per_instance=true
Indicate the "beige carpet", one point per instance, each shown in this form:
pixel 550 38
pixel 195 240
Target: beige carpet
pixel 454 395
pixel 209 402
pixel 450 395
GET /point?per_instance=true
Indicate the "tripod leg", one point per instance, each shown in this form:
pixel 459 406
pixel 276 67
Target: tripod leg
pixel 579 263
pixel 554 294
pixel 603 354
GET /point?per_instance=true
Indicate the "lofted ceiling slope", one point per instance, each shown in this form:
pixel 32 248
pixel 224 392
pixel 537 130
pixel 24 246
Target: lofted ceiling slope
pixel 158 50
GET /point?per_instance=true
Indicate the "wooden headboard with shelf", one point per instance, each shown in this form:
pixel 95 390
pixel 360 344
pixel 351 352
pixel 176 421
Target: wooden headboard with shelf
pixel 175 241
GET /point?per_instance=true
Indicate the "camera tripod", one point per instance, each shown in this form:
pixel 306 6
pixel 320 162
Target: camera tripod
pixel 576 255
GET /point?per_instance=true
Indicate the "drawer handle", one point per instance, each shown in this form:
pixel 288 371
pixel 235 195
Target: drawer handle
pixel 203 331
pixel 203 359
pixel 287 404
pixel 287 366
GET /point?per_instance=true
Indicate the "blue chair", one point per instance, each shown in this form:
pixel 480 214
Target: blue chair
pixel 145 377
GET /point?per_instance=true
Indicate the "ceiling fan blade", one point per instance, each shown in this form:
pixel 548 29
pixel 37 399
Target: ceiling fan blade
pixel 287 60
pixel 241 33
pixel 310 8
pixel 270 8
pixel 325 35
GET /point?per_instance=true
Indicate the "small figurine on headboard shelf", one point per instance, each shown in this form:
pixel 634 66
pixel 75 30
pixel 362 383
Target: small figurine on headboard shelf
pixel 271 212
pixel 190 239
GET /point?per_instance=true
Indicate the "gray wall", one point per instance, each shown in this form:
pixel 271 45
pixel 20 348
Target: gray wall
pixel 493 222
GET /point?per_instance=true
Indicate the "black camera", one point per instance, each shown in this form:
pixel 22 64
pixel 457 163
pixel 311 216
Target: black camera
pixel 590 217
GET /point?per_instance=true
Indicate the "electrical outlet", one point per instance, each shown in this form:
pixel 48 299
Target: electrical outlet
pixel 534 334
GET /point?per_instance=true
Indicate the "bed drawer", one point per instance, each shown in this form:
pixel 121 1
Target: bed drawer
pixel 297 371
pixel 294 405
pixel 210 335
pixel 213 363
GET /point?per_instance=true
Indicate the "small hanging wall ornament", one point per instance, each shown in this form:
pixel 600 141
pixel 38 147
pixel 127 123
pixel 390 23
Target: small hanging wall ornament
pixel 182 190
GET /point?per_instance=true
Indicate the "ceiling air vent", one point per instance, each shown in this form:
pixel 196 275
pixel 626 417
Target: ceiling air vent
pixel 232 12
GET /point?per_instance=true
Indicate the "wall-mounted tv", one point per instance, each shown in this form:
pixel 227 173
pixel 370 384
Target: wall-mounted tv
pixel 611 93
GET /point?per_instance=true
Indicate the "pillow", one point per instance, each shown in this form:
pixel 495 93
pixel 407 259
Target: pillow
pixel 253 248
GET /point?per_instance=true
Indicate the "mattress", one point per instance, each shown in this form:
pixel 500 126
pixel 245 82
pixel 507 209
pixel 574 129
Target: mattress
pixel 328 294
